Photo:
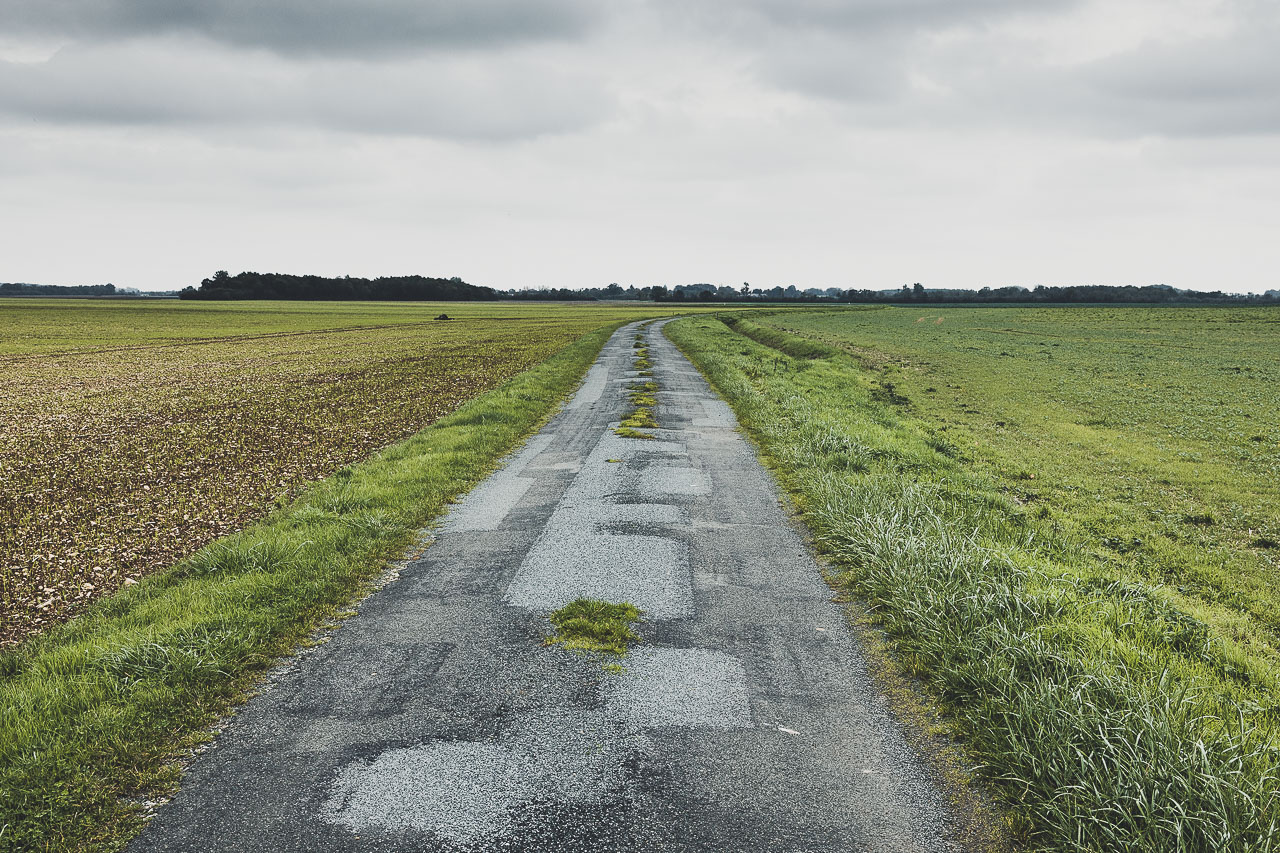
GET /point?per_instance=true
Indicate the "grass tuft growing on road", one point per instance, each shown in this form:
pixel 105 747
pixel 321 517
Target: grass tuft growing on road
pixel 628 432
pixel 587 624
pixel 642 399
pixel 1111 712
pixel 95 714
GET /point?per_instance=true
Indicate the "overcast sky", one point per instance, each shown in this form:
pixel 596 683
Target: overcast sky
pixel 847 143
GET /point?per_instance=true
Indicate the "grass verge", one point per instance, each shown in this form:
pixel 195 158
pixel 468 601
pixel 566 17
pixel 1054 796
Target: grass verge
pixel 95 715
pixel 596 626
pixel 1105 715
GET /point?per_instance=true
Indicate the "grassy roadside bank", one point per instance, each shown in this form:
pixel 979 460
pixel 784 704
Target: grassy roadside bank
pixel 1106 715
pixel 95 713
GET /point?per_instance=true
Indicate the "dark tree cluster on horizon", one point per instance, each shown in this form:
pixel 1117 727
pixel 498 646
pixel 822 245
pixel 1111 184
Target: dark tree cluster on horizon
pixel 254 285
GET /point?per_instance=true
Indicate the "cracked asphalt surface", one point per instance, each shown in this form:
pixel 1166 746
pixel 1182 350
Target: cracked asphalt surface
pixel 436 719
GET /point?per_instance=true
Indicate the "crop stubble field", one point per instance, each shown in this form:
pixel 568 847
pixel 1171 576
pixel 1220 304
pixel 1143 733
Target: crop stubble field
pixel 1066 521
pixel 132 434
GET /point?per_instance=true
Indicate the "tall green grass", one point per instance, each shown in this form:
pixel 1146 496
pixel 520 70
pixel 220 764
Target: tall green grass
pixel 1106 717
pixel 94 715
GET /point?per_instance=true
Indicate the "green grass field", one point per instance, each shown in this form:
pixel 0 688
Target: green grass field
pixel 1066 522
pixel 1152 436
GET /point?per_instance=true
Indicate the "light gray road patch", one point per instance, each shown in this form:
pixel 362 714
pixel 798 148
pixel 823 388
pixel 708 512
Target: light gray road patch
pixel 660 480
pixel 612 445
pixel 593 387
pixel 459 791
pixel 577 556
pixel 648 571
pixel 463 791
pixel 487 506
pixel 699 688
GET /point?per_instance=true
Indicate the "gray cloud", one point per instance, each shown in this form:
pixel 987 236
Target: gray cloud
pixel 866 59
pixel 176 83
pixel 876 61
pixel 1218 86
pixel 1213 86
pixel 836 66
pixel 847 50
pixel 345 27
pixel 879 15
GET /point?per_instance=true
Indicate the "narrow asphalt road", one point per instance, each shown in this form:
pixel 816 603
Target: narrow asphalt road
pixel 436 719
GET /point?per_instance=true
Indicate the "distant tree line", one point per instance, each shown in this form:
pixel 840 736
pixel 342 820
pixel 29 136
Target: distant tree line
pixel 254 285
pixel 18 289
pixel 909 294
pixel 613 291
pixel 1091 293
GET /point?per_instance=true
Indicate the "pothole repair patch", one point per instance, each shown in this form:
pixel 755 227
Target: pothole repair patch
pixel 698 688
pixel 463 792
